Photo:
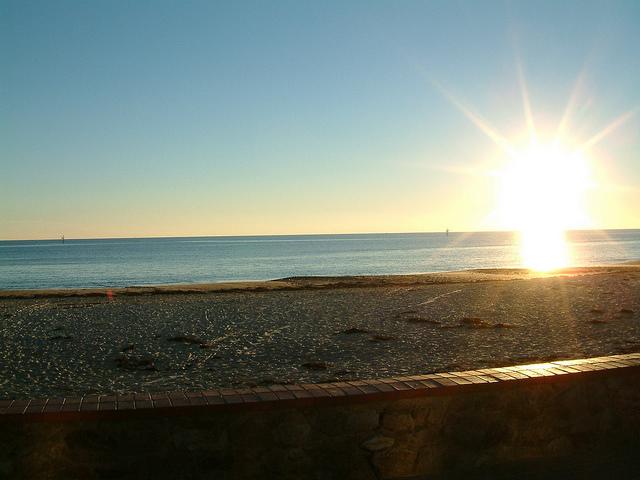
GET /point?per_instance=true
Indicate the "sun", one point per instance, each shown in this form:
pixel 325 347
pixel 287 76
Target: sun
pixel 542 193
pixel 542 183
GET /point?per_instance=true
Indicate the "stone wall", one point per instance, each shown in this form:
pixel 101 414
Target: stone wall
pixel 443 426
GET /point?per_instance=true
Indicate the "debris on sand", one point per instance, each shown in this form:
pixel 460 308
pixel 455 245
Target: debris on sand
pixel 354 330
pixel 128 347
pixel 597 311
pixel 626 311
pixel 315 365
pixel 474 322
pixel 266 381
pixel 422 321
pixel 61 337
pixel 597 321
pixel 381 338
pixel 189 339
pixel 136 363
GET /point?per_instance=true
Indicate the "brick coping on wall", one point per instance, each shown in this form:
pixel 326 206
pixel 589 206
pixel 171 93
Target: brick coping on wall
pixel 386 389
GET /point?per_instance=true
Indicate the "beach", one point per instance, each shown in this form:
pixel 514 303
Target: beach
pixel 313 329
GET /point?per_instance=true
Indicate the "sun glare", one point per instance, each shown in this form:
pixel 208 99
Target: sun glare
pixel 544 250
pixel 543 184
pixel 542 190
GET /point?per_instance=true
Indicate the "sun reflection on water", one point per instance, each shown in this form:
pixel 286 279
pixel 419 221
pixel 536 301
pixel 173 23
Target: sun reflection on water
pixel 544 249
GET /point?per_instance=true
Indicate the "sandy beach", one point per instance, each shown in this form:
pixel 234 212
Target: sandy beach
pixel 188 337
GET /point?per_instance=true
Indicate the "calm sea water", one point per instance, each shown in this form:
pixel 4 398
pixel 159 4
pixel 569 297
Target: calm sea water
pixel 152 261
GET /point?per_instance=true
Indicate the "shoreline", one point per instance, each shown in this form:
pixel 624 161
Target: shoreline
pixel 322 282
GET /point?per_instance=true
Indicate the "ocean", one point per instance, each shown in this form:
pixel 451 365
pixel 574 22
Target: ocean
pixel 41 264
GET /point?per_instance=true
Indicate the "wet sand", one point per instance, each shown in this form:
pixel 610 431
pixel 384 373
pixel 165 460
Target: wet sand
pixel 189 337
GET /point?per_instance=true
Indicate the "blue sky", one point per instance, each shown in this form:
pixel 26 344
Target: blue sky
pixel 202 118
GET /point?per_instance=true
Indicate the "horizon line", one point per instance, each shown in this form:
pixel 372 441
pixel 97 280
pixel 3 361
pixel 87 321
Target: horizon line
pixel 293 234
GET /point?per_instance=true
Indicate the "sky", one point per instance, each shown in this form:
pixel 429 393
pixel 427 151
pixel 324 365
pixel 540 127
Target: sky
pixel 186 118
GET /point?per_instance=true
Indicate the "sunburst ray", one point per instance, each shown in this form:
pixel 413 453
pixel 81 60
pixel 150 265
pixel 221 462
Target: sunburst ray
pixel 526 103
pixel 483 125
pixel 614 125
